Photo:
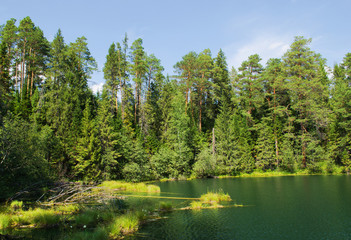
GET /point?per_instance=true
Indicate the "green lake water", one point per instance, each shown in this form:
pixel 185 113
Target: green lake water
pixel 300 207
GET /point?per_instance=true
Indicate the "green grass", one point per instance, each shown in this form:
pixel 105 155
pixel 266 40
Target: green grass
pixel 215 197
pixel 68 209
pixel 39 217
pixel 165 206
pixel 124 224
pixel 5 221
pixel 210 200
pixel 98 234
pixel 86 218
pixel 196 205
pixel 130 187
pixel 16 205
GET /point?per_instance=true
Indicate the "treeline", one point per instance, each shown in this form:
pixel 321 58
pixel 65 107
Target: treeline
pixel 206 120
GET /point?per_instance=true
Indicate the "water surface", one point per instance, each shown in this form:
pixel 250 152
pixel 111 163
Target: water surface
pixel 299 207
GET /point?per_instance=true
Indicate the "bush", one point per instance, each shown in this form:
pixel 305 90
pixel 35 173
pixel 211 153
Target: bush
pixel 205 164
pixel 132 172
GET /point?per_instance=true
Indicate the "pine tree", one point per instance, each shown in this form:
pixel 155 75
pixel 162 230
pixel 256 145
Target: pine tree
pixel 187 72
pixel 301 66
pixel 234 153
pixel 88 151
pixel 108 140
pixel 221 82
pixel 111 73
pixel 138 69
pixel 203 83
pixel 250 87
pixel 340 127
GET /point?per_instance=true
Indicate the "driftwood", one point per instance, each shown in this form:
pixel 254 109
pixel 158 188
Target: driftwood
pixel 68 193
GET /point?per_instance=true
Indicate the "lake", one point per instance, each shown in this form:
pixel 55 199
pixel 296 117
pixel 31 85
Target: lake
pixel 298 207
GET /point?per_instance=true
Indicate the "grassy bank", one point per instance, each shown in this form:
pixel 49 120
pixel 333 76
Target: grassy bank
pixel 108 219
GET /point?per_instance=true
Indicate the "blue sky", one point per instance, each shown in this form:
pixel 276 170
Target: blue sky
pixel 170 29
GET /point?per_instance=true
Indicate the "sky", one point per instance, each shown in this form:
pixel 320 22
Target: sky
pixel 171 29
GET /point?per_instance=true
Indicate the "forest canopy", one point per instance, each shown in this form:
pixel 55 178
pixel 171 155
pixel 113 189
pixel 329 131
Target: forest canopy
pixel 290 114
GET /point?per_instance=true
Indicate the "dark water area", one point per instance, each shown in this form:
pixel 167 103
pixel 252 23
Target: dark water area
pixel 299 207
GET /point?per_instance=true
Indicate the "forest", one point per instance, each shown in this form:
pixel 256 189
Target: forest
pixel 290 114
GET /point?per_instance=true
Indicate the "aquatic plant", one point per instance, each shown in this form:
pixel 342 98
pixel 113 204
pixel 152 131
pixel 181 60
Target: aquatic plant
pixel 196 205
pixel 165 206
pixel 215 197
pixel 210 200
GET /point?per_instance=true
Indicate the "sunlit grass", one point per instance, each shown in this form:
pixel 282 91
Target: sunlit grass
pixel 39 217
pixel 197 205
pixel 130 187
pixel 124 224
pixel 68 209
pixel 5 221
pixel 215 197
pixel 210 200
pixel 16 205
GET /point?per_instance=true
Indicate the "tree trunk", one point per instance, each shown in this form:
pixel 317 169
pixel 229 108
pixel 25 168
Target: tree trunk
pixel 275 130
pixel 303 146
pixel 213 142
pixel 31 84
pixel 28 79
pixel 136 103
pixel 122 102
pixel 200 112
pixel 116 102
pixel 22 67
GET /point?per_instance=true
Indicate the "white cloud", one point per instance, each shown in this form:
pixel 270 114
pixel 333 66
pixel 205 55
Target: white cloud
pixel 97 87
pixel 267 46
